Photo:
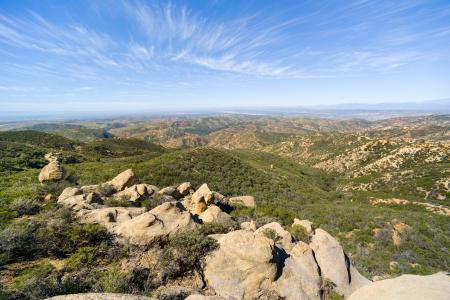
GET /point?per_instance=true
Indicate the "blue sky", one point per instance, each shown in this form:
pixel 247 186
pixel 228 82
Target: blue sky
pixel 149 55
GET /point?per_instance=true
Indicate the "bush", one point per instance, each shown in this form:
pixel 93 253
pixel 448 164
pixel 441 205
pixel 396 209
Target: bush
pixel 18 239
pixel 184 253
pixel 25 206
pixel 271 234
pixel 113 280
pixel 299 233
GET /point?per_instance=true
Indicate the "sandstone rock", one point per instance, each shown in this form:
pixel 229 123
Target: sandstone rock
pixel 69 192
pixel 247 201
pixel 123 180
pixel 169 190
pixel 335 265
pixel 164 220
pixel 110 217
pixel 49 198
pixel 79 202
pixel 300 279
pixel 184 188
pixel 406 287
pixel 285 238
pixel 100 296
pixel 214 214
pixel 203 194
pixel 305 224
pixel 134 193
pixel 54 171
pixel 250 225
pixel 242 267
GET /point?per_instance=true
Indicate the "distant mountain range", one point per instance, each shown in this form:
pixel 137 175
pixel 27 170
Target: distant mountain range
pixel 368 111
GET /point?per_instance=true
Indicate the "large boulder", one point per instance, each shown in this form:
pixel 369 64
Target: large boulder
pixel 284 237
pixel 100 296
pixel 406 287
pixel 124 180
pixel 213 214
pixel 109 217
pixel 247 201
pixel 300 279
pixel 54 171
pixel 243 265
pixel 164 220
pixel 334 264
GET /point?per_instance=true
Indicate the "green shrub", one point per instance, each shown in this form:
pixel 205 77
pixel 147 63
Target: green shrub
pixel 18 239
pixel 113 280
pixel 184 253
pixel 299 233
pixel 25 206
pixel 271 234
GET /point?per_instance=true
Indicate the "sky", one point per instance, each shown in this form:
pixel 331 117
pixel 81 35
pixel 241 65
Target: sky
pixel 150 55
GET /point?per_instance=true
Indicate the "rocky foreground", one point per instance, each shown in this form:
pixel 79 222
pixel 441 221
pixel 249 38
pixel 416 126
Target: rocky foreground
pixel 250 263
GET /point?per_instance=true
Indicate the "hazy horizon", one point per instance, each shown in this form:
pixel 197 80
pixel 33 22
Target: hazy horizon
pixel 134 55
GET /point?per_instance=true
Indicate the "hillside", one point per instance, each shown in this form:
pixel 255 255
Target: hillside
pixel 383 196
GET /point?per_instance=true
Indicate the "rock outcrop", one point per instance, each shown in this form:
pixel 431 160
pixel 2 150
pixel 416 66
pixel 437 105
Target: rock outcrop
pixel 242 267
pixel 165 220
pixel 251 263
pixel 334 264
pixel 406 287
pixel 300 279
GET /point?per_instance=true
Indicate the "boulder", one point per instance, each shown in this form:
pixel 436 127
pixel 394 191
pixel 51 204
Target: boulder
pixel 406 287
pixel 69 192
pixel 110 217
pixel 305 224
pixel 300 279
pixel 250 225
pixel 164 220
pixel 285 238
pixel 123 180
pixel 243 265
pixel 100 296
pixel 334 264
pixel 54 171
pixel 214 214
pixel 184 188
pixel 247 201
pixel 203 194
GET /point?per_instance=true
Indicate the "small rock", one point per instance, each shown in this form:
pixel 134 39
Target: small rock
pixel 184 188
pixel 214 214
pixel 123 180
pixel 247 201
